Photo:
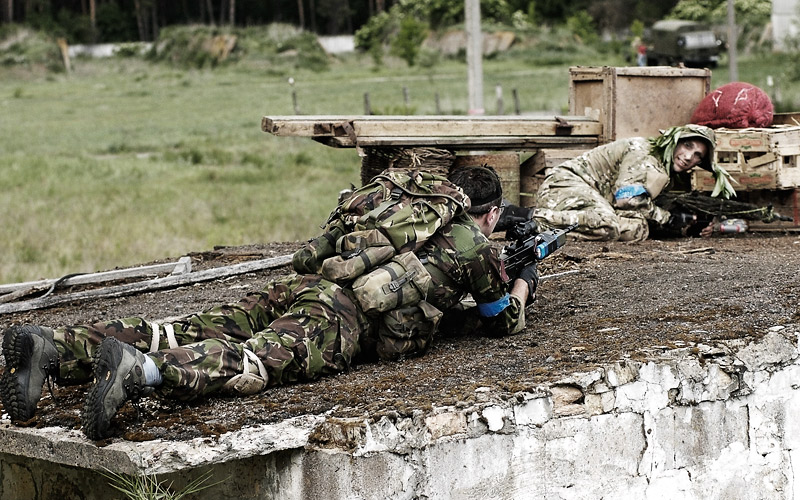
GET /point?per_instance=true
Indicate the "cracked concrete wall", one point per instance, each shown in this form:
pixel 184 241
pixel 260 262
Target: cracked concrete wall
pixel 691 423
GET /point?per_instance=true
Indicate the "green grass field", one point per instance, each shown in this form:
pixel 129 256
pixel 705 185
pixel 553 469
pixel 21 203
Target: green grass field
pixel 122 161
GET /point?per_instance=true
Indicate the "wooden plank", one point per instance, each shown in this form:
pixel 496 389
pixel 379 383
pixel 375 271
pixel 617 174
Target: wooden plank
pixel 148 285
pixel 20 293
pixel 597 72
pixel 424 126
pixel 183 265
pixel 473 127
pixel 464 143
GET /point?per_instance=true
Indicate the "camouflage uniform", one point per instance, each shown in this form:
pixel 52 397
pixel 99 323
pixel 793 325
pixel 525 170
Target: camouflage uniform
pixel 582 191
pixel 299 328
pixel 461 260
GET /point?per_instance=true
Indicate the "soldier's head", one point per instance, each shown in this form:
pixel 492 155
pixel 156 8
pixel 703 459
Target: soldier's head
pixel 689 153
pixel 695 148
pixel 482 185
pixel 685 147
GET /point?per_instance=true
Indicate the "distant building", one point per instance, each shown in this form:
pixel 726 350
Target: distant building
pixel 785 21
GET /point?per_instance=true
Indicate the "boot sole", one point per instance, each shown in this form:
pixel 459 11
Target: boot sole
pixel 110 365
pixel 18 346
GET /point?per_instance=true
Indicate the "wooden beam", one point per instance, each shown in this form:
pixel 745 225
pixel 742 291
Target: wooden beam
pixel 148 285
pixel 426 126
pixel 183 265
pixel 464 143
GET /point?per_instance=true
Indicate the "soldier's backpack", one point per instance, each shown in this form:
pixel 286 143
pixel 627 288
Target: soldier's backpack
pixel 395 213
pixel 368 244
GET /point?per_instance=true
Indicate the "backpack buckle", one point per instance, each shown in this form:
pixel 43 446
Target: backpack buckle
pixel 397 284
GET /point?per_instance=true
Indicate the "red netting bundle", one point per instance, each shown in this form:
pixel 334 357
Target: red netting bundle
pixel 734 105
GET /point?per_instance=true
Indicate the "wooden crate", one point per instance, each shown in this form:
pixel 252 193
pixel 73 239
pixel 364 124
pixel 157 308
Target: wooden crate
pixel 756 158
pixel 783 201
pixel 505 164
pixel 535 167
pixel 634 101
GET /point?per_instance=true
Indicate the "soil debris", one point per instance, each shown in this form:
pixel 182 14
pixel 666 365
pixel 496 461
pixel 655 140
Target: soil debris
pixel 625 302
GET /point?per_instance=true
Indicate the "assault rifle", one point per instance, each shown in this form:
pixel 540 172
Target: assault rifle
pixel 691 212
pixel 528 245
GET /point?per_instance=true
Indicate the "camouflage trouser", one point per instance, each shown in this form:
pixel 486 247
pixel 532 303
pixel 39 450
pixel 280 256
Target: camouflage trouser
pixel 563 204
pixel 299 328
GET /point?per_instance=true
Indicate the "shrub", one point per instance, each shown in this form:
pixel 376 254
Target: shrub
pixel 582 26
pixel 408 41
pixel 24 46
pixel 199 46
pixel 374 34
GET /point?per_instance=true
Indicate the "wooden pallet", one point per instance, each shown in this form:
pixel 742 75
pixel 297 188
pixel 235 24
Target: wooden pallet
pixel 447 132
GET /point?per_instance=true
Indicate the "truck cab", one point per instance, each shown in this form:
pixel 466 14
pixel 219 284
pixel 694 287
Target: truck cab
pixel 674 41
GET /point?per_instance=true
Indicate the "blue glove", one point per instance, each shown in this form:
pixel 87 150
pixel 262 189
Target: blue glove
pixel 530 276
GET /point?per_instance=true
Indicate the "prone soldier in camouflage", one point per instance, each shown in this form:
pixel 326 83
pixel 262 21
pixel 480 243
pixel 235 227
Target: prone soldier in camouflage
pixel 609 190
pixel 296 329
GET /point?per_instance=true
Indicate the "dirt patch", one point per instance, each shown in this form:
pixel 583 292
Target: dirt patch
pixel 623 301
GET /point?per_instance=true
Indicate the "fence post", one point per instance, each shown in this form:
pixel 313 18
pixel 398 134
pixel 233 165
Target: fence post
pixel 498 92
pixel 295 106
pixel 405 98
pixel 436 102
pixel 64 48
pixel 367 107
pixel 516 101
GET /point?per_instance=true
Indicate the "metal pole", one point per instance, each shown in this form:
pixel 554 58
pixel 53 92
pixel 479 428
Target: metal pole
pixel 733 66
pixel 472 15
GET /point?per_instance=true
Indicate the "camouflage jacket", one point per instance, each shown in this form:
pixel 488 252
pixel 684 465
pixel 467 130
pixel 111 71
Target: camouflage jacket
pixel 618 165
pixel 462 261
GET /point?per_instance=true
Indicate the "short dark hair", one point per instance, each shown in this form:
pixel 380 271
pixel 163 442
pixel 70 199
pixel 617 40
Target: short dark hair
pixel 481 184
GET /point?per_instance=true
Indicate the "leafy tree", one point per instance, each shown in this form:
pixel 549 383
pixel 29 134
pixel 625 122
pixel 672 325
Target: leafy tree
pixel 115 24
pixel 374 34
pixel 637 28
pixel 408 41
pixel 751 15
pixel 582 25
pixel 748 12
pixel 444 13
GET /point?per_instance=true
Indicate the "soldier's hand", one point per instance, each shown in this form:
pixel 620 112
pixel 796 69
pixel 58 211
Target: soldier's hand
pixel 530 276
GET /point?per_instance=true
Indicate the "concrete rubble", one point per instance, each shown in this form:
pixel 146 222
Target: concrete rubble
pixel 697 422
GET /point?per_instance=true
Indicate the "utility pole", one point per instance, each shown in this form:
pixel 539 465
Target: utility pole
pixel 733 66
pixel 472 18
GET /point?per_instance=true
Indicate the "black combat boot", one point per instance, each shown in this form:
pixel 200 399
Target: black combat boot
pixel 31 357
pixel 118 376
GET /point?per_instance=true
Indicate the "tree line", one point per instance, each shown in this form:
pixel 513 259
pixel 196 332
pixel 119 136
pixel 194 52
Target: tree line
pixel 82 21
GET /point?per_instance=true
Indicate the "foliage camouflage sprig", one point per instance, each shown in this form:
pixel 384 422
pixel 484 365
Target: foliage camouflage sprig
pixel 663 147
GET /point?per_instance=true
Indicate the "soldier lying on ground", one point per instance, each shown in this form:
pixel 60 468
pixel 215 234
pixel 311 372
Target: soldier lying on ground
pixel 296 329
pixel 609 190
